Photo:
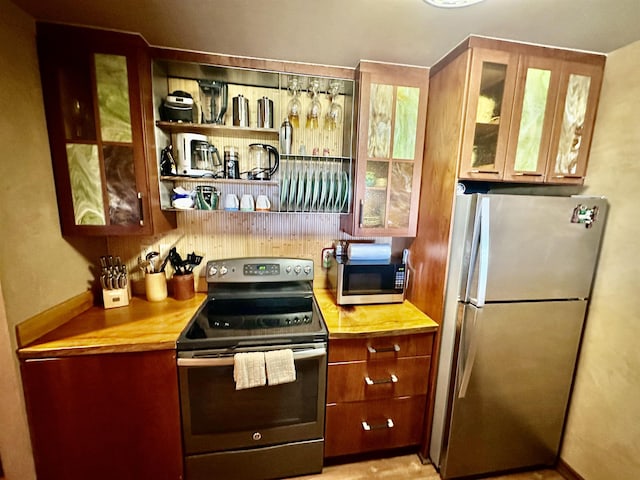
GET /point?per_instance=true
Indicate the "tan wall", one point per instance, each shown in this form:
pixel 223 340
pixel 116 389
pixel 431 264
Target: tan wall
pixel 38 268
pixel 602 439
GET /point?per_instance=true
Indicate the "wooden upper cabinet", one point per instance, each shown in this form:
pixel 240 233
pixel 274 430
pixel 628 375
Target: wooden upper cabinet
pixel 97 93
pixel 576 107
pixel 392 107
pixel 529 114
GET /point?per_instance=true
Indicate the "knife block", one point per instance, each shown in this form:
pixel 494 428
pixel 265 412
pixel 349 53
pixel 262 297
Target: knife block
pixel 117 297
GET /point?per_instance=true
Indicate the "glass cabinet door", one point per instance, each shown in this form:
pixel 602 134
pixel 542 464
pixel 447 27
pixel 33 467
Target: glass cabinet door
pixel 491 93
pixel 532 119
pixel 94 86
pixel 579 90
pixel 98 137
pixel 391 151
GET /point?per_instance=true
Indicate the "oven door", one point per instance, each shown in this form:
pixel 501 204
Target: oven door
pixel 217 417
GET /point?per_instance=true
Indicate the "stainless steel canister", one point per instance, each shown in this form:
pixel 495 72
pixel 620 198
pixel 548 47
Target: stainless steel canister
pixel 265 113
pixel 240 111
pixel 286 133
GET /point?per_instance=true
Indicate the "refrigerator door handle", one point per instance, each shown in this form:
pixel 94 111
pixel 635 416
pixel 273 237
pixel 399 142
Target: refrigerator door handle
pixel 468 353
pixel 473 255
pixel 483 268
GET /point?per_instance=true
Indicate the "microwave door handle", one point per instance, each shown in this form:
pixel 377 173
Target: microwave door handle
pixel 228 360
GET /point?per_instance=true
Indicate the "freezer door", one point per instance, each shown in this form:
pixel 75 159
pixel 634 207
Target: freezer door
pixel 527 248
pixel 511 385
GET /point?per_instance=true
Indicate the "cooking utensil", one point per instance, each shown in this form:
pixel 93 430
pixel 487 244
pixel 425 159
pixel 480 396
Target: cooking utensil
pixel 152 257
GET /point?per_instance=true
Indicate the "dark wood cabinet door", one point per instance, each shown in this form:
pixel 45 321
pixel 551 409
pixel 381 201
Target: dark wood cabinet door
pixel 112 416
pixel 96 87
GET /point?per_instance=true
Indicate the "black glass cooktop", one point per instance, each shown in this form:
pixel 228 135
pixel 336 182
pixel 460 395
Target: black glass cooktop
pixel 230 322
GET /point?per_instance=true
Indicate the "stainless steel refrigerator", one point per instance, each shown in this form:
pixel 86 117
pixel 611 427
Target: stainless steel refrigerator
pixel 519 280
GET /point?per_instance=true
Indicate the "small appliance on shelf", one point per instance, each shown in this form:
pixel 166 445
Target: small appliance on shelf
pixel 177 107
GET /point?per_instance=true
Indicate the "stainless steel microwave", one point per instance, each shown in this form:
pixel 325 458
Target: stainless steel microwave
pixel 359 282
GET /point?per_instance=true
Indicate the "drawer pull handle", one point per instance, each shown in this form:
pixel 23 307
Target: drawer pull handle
pixel 391 379
pixel 367 428
pixel 567 176
pixel 395 348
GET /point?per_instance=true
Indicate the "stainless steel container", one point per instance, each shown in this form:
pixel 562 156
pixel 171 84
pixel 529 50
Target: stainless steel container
pixel 286 137
pixel 265 113
pixel 240 111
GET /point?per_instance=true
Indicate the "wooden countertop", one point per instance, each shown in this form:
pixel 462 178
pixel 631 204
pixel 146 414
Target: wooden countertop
pixel 143 326
pixel 140 326
pixel 372 320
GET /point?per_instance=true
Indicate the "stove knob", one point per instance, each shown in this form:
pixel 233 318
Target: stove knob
pixel 297 269
pixel 223 270
pixel 213 271
pixel 307 269
pixel 288 269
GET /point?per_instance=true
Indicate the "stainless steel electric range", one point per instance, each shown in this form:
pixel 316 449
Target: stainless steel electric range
pixel 253 305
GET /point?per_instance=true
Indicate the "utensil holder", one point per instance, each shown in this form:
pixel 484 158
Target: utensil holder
pixel 183 286
pixel 155 286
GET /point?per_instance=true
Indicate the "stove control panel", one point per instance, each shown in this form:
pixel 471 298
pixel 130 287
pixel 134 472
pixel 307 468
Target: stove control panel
pixel 259 270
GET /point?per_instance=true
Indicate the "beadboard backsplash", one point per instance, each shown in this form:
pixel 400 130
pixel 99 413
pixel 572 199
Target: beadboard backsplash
pixel 216 235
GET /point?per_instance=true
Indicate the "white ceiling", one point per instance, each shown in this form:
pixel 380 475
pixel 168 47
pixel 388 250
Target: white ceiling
pixel 341 32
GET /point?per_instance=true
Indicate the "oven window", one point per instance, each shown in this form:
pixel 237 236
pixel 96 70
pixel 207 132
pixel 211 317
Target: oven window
pixel 216 407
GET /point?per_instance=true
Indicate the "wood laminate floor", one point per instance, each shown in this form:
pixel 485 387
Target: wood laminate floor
pixel 407 467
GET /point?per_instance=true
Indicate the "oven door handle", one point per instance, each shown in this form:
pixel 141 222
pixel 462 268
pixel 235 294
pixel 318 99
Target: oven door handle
pixel 228 360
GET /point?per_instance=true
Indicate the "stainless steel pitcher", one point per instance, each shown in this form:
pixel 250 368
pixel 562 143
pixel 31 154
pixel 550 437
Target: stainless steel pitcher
pixel 265 113
pixel 240 111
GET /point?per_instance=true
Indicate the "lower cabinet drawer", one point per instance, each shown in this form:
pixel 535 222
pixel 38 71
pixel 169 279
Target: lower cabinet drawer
pixel 357 427
pixel 380 348
pixel 356 381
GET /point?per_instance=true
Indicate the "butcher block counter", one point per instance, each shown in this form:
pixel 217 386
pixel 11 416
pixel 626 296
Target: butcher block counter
pixel 351 321
pixel 140 326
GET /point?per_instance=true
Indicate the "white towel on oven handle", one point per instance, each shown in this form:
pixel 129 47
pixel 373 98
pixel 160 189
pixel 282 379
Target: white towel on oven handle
pixel 280 366
pixel 249 370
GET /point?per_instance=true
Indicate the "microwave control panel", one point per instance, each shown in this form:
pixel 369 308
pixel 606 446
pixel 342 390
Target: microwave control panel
pixel 400 276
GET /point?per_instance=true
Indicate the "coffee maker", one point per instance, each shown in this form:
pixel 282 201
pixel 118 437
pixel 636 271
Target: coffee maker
pixel 195 156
